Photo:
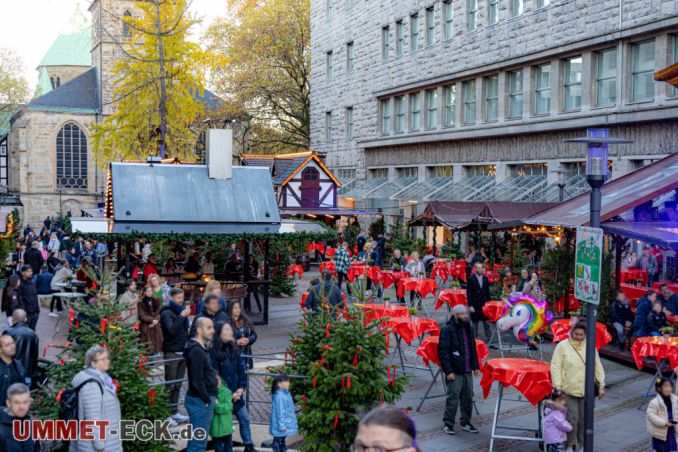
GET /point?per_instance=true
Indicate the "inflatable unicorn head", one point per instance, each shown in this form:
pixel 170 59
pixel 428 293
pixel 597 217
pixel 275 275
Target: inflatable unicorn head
pixel 527 316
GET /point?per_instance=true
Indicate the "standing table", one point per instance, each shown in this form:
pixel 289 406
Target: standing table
pixel 408 329
pixel 661 351
pixel 561 331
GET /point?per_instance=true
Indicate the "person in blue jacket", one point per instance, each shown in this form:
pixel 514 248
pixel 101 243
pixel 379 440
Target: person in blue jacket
pixel 283 417
pixel 44 281
pixel 643 308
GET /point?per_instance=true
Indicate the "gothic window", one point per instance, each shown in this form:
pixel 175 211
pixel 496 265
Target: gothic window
pixel 52 82
pixel 3 161
pixel 58 82
pixel 126 33
pixel 71 161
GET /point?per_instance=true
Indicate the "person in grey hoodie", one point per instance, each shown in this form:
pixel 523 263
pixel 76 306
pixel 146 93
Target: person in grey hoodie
pixel 97 400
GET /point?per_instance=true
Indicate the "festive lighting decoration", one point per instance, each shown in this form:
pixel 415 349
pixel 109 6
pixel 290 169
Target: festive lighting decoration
pixel 557 233
pixel 527 316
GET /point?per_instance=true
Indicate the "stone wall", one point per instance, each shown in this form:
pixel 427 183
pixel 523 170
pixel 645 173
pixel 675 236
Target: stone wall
pixel 565 28
pixel 66 73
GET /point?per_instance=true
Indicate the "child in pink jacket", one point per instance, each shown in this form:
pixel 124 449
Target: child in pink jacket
pixel 556 425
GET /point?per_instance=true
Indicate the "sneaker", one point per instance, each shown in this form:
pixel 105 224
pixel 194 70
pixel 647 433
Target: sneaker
pixel 53 314
pixel 469 428
pixel 449 430
pixel 179 418
pixel 171 423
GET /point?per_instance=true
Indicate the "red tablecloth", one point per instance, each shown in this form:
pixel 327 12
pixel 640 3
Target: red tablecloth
pixel 329 265
pixel 388 277
pixel 379 311
pixel 452 297
pixel 634 275
pixel 428 350
pixel 373 273
pixel 573 304
pixel 303 300
pixel 561 331
pixel 319 247
pixel 492 276
pixel 295 268
pixel 633 292
pixel 458 269
pixel 411 328
pixel 531 378
pixel 423 286
pixel 440 272
pixel 356 269
pixel 329 252
pixel 499 267
pixel 656 347
pixel 494 309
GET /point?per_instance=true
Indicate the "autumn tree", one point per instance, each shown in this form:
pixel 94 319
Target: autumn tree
pixel 159 82
pixel 264 48
pixel 13 85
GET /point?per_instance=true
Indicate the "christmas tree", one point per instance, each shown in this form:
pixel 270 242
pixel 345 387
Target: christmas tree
pixel 101 320
pixel 346 375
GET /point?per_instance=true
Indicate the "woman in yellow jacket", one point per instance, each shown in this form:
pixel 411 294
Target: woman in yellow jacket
pixel 567 374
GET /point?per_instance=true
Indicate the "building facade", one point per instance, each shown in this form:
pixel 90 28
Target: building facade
pixel 421 100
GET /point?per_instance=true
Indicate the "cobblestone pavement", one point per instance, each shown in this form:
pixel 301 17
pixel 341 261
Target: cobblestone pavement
pixel 620 426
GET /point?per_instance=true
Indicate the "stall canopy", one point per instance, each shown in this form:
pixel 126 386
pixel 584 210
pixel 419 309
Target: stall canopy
pixel 662 233
pixel 460 214
pixel 619 195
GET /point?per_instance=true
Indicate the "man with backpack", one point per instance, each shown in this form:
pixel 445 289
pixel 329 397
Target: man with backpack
pixel 18 406
pixel 26 342
pixel 28 296
pixel 11 370
pixel 174 324
pixel 325 292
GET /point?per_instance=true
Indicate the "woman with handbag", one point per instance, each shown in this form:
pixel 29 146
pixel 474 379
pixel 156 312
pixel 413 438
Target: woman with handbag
pixel 567 374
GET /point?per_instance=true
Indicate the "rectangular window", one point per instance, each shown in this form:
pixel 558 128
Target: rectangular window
pixel 481 170
pixel 430 26
pixel 441 171
pixel 469 93
pixel 350 57
pixel 329 8
pixel 386 116
pixel 448 12
pixel 400 38
pixel 494 12
pixel 431 108
pixel 529 169
pixel 385 43
pixel 606 77
pixel 415 112
pixel 328 65
pixel 643 71
pixel 379 173
pixel 516 8
pixel 542 90
pixel 543 3
pixel 408 172
pixel 400 114
pixel 349 123
pixel 572 84
pixel 491 98
pixel 414 32
pixel 449 101
pixel 472 15
pixel 515 80
pixel 328 126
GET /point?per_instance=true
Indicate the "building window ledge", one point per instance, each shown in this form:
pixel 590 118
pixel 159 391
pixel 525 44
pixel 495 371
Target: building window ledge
pixel 640 102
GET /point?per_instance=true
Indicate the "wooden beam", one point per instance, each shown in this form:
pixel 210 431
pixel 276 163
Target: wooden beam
pixel 669 75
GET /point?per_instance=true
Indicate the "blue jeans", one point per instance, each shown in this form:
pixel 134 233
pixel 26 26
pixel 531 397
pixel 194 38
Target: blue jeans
pixel 223 444
pixel 279 444
pixel 655 333
pixel 243 418
pixel 200 416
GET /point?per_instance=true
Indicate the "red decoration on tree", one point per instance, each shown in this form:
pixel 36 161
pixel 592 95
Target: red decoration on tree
pixel 327 329
pixel 58 396
pixel 151 396
pixel 104 323
pixel 135 327
pixel 355 357
pixel 143 364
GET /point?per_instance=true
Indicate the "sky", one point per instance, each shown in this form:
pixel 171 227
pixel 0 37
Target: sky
pixel 30 26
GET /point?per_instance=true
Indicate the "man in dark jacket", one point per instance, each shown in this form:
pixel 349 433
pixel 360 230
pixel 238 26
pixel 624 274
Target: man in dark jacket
pixel 33 258
pixel 324 292
pixel 643 308
pixel 458 362
pixel 669 299
pixel 621 317
pixel 28 293
pixel 11 370
pixel 477 294
pixel 203 381
pixel 211 310
pixel 174 324
pixel 26 342
pixel 18 406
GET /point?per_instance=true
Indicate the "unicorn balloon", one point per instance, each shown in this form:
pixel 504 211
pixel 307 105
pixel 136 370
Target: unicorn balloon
pixel 527 316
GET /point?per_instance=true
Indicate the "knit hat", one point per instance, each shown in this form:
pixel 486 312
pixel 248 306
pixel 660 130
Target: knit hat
pixel 459 309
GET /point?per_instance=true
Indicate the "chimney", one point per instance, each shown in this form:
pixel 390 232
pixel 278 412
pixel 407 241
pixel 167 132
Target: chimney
pixel 219 148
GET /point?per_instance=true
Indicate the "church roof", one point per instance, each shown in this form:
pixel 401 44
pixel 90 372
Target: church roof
pixel 73 46
pixel 285 166
pixel 79 94
pixel 44 83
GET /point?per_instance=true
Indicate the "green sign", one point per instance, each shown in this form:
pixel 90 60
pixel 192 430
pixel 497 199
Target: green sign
pixel 588 264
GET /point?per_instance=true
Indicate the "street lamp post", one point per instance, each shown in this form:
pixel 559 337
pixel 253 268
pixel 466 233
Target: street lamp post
pixel 561 185
pixel 597 142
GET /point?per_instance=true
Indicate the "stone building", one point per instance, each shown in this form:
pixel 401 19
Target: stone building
pixel 417 100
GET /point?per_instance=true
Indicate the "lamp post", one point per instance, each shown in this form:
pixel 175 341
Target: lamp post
pixel 597 142
pixel 561 184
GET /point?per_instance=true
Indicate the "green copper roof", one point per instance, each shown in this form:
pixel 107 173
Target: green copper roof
pixel 44 83
pixel 70 49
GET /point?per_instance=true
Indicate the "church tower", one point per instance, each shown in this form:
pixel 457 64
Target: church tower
pixel 109 33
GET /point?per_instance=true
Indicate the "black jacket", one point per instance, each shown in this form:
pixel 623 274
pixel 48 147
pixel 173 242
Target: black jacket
pixel 27 346
pixel 477 296
pixel 656 321
pixel 219 317
pixel 33 257
pixel 7 441
pixel 670 303
pixel 451 349
pixel 620 313
pixel 202 377
pixel 328 291
pixel 28 293
pixel 10 374
pixel 174 330
pixel 245 330
pixel 11 302
pixel 226 359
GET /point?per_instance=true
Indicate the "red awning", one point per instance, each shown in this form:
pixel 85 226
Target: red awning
pixel 461 214
pixel 619 195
